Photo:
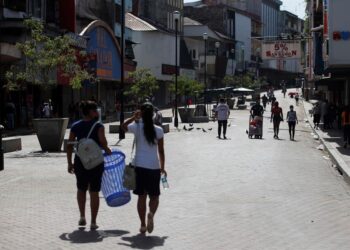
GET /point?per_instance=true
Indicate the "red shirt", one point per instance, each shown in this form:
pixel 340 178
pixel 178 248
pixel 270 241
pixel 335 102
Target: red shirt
pixel 276 111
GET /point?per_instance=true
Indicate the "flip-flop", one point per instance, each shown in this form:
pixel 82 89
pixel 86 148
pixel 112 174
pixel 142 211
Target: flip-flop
pixel 82 222
pixel 93 226
pixel 150 223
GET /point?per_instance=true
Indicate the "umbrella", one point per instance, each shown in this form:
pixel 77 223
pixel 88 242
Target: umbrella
pixel 243 90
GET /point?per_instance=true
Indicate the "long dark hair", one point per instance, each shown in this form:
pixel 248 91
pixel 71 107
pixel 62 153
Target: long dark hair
pixel 87 106
pixel 147 111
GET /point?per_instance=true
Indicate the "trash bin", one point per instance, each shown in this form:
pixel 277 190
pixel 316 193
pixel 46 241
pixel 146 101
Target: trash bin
pixel 112 180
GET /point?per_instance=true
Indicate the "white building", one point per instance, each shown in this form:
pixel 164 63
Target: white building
pixel 220 60
pixel 154 50
pixel 243 34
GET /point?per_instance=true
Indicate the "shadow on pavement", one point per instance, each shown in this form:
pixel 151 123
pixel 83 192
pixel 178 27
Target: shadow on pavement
pixel 81 236
pixel 39 154
pixel 144 242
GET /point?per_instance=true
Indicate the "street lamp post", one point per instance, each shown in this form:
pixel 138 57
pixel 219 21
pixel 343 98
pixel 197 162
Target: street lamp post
pixel 176 15
pixel 257 62
pixel 122 48
pixel 243 63
pixel 205 38
pixel 233 57
pixel 217 46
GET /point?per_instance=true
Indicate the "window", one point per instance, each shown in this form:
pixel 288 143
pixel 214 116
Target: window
pixel 117 13
pixel 52 11
pixel 17 5
pixel 194 54
pixel 36 8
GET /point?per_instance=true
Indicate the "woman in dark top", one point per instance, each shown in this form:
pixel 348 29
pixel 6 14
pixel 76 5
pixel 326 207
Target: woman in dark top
pixel 276 118
pixel 87 179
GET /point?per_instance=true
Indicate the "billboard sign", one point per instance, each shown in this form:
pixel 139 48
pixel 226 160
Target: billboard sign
pixel 339 34
pixel 102 44
pixel 281 50
pixel 325 19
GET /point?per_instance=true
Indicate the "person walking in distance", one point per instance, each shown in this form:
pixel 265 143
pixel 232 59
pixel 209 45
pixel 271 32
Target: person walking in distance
pixel 296 99
pixel 257 109
pixel 264 101
pixel 316 111
pixel 292 120
pixel 276 118
pixel 346 125
pixel 10 110
pixel 149 162
pixel 87 179
pixel 222 113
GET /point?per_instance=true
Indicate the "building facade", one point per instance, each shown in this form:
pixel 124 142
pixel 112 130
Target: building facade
pixel 74 18
pixel 159 12
pixel 220 61
pixel 270 15
pixel 328 57
pixel 153 28
pixel 234 23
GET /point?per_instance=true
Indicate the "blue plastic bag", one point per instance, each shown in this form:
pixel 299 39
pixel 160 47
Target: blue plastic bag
pixel 112 180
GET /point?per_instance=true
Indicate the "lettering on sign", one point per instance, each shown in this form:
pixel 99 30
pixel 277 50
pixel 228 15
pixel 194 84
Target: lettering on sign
pixel 281 50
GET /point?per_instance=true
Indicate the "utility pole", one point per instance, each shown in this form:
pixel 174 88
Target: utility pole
pixel 122 55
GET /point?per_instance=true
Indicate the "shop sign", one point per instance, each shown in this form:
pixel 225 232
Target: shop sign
pixel 102 44
pixel 168 69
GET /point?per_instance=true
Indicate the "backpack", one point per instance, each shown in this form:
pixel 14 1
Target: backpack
pixel 89 151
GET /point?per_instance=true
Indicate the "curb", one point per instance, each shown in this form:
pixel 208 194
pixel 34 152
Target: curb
pixel 336 158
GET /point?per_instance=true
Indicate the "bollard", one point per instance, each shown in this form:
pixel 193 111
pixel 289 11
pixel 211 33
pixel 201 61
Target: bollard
pixel 1 150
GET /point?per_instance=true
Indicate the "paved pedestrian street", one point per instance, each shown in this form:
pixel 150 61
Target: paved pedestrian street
pixel 236 194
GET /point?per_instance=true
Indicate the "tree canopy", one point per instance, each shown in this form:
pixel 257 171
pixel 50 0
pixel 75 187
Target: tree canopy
pixel 187 86
pixel 144 84
pixel 44 56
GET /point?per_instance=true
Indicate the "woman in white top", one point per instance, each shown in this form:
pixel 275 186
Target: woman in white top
pixel 149 161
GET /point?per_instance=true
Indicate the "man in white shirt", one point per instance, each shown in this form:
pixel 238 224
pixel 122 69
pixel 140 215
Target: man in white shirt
pixel 222 113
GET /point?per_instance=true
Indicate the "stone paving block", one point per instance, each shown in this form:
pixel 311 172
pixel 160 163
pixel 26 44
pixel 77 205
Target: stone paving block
pixel 235 194
pixel 114 128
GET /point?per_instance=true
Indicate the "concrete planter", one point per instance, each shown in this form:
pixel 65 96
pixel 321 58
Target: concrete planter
pixel 186 114
pixel 50 133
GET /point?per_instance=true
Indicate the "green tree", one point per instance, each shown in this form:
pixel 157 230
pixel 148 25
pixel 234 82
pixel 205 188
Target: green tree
pixel 231 81
pixel 144 84
pixel 44 55
pixel 187 87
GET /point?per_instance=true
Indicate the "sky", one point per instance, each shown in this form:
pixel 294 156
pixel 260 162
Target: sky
pixel 294 6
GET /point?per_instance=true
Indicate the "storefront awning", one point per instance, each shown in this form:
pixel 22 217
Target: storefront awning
pixel 9 52
pixel 332 84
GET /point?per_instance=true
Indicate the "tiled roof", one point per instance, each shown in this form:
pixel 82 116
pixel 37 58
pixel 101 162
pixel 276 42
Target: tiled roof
pixel 137 24
pixel 189 21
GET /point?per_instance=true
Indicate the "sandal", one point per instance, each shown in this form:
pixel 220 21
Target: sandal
pixel 150 223
pixel 93 226
pixel 82 222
